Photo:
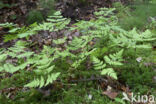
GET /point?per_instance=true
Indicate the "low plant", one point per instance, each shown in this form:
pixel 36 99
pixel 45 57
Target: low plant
pixel 5 5
pixel 53 23
pixel 136 14
pixel 68 60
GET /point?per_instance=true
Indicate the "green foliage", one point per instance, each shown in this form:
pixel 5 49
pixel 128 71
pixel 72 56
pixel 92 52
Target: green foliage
pixel 113 36
pixel 3 5
pixel 34 16
pixel 98 64
pixel 152 24
pixel 122 11
pixel 41 64
pixel 58 21
pixel 99 52
pixel 139 17
pixel 76 95
pixel 53 23
pixel 60 41
pixel 113 60
pixel 46 4
pixel 102 43
pixel 138 78
pixel 7 25
pixel 79 94
pixel 43 82
pixel 44 8
pixel 133 39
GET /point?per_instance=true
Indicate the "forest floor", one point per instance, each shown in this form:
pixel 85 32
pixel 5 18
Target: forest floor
pixel 136 76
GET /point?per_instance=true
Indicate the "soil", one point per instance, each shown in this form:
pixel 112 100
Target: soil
pixel 74 9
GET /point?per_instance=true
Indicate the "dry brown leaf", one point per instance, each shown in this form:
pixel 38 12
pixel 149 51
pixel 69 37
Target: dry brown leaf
pixel 125 89
pixel 110 93
pixel 1 28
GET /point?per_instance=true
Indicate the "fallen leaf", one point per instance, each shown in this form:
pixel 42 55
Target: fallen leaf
pixel 1 28
pixel 125 89
pixel 110 93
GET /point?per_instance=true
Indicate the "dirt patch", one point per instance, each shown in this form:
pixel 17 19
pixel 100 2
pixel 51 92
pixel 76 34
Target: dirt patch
pixel 16 10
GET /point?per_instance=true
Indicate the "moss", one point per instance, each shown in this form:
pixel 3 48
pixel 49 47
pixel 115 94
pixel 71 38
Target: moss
pixel 138 17
pixel 34 16
pixel 45 8
pixel 139 79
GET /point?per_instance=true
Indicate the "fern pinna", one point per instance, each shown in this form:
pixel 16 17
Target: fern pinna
pixel 106 66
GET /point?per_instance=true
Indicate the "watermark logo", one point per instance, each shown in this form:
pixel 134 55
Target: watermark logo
pixel 137 98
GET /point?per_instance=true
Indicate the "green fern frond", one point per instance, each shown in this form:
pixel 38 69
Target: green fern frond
pixel 98 64
pixel 110 72
pixel 41 82
pixel 133 39
pixel 7 25
pixel 79 42
pixel 114 59
pixel 10 68
pixel 105 11
pixel 53 23
pixel 60 41
pixel 3 57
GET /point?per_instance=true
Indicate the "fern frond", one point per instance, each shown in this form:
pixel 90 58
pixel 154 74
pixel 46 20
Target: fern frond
pixel 79 42
pixel 105 71
pixel 133 39
pixel 98 64
pixel 10 68
pixel 51 78
pixel 109 72
pixel 53 23
pixel 7 25
pixel 3 57
pixel 41 82
pixel 114 59
pixel 60 41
